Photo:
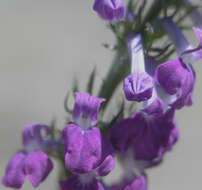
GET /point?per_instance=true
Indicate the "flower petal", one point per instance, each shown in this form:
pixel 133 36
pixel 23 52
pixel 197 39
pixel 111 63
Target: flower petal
pixel 154 136
pixel 37 167
pixel 86 107
pixel 122 134
pixel 85 149
pixel 15 176
pixel 33 132
pixel 171 75
pixel 186 91
pixel 106 166
pixel 138 86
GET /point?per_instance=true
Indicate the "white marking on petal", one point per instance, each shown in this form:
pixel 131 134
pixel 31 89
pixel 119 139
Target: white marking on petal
pixel 84 121
pixel 86 178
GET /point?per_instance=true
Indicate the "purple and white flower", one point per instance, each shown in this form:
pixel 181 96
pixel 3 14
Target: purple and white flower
pixel 150 132
pixel 87 153
pixel 177 77
pixel 31 162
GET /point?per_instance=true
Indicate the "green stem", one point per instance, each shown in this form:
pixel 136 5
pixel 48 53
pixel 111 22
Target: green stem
pixel 118 71
pixel 153 13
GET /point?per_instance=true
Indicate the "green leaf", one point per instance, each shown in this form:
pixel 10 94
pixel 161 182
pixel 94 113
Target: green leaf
pixel 67 109
pixel 91 81
pixel 75 85
pixel 52 127
pixel 120 68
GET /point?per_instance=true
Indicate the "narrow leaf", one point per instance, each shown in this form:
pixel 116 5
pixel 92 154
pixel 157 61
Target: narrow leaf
pixel 91 81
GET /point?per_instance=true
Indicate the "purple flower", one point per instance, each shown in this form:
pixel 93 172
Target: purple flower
pixel 110 10
pixel 85 148
pixel 32 138
pixel 149 132
pixel 177 77
pixel 138 85
pixel 88 181
pixel 86 108
pixel 31 162
pixel 122 134
pixel 154 131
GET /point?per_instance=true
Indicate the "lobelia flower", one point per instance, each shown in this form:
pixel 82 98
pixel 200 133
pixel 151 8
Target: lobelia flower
pixel 156 132
pixel 86 151
pixel 177 77
pixel 110 10
pixel 31 162
pixel 138 85
pixel 150 133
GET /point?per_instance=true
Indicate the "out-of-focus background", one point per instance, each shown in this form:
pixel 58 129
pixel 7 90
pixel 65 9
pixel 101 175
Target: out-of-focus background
pixel 43 45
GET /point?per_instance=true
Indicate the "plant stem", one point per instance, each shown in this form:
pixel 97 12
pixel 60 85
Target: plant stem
pixel 153 13
pixel 118 71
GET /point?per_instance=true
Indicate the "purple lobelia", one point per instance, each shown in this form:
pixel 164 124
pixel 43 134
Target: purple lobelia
pixel 177 77
pixel 138 85
pixel 150 133
pixel 110 10
pixel 31 162
pixel 87 153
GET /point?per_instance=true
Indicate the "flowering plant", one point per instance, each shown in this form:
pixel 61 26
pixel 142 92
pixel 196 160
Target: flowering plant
pixel 137 137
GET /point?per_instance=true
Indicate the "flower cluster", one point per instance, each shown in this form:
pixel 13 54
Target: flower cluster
pixel 88 145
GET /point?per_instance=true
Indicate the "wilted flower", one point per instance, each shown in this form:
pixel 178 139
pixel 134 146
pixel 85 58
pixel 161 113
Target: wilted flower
pixel 138 85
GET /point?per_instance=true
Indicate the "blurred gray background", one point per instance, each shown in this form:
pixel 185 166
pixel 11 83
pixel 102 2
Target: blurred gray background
pixel 43 44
